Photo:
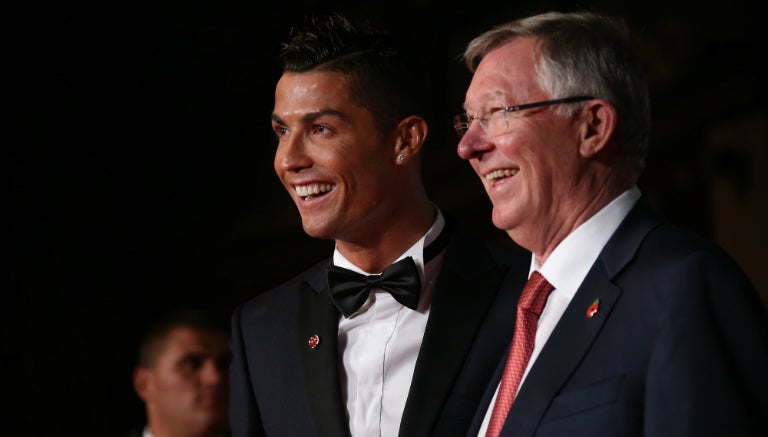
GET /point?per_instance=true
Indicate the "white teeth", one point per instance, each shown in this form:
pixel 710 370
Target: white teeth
pixel 307 191
pixel 498 174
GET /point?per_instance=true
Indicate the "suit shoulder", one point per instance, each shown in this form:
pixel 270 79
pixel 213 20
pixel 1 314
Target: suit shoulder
pixel 287 288
pixel 668 240
pixel 677 265
pixel 662 246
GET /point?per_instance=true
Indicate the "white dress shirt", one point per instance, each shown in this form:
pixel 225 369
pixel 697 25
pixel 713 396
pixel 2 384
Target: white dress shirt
pixel 567 267
pixel 379 345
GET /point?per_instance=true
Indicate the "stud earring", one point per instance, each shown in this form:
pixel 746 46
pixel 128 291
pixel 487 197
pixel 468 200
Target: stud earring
pixel 401 157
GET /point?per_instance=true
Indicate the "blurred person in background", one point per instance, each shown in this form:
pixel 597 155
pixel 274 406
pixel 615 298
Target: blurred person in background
pixel 182 377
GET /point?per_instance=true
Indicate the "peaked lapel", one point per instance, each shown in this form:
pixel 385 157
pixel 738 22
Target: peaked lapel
pixel 466 287
pixel 565 348
pixel 575 332
pixel 320 366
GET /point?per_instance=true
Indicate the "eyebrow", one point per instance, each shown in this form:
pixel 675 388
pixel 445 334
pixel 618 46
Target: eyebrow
pixel 312 116
pixel 489 96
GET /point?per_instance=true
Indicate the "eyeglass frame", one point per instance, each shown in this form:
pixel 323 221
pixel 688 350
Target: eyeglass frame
pixel 461 127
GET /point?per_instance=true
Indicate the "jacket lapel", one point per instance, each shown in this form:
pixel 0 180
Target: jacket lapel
pixel 467 284
pixel 320 365
pixel 565 348
pixel 575 332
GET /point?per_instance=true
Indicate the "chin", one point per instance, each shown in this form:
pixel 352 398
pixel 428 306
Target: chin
pixel 319 232
pixel 503 220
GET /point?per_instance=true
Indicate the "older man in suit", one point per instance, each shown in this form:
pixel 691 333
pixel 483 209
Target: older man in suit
pixel 631 327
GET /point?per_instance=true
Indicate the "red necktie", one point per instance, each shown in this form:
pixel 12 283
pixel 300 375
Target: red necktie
pixel 529 308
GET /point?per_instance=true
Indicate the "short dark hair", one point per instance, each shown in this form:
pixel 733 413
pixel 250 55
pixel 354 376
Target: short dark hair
pixel 387 76
pixel 152 342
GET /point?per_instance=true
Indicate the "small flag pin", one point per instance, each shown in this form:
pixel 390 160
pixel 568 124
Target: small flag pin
pixel 314 341
pixel 592 310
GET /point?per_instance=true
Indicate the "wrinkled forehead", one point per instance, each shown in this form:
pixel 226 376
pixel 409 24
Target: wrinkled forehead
pixel 506 76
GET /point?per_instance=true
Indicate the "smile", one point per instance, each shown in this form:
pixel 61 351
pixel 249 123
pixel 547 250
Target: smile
pixel 313 190
pixel 499 174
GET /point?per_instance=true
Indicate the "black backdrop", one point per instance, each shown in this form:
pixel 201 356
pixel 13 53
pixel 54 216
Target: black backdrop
pixel 141 173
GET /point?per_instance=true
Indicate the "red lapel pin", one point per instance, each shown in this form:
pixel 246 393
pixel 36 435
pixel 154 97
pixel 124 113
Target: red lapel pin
pixel 592 310
pixel 314 341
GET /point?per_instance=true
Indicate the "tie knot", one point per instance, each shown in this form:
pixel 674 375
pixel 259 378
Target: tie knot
pixel 535 293
pixel 349 290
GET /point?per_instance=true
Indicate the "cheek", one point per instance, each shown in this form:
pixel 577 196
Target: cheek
pixel 515 144
pixel 175 381
pixel 534 151
pixel 365 170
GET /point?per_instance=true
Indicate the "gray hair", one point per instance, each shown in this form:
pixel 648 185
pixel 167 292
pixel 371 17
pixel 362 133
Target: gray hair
pixel 583 53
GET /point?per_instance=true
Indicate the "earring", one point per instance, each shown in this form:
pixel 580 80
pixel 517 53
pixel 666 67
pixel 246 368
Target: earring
pixel 401 157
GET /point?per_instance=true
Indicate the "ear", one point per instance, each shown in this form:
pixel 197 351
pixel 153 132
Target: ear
pixel 411 134
pixel 141 382
pixel 598 124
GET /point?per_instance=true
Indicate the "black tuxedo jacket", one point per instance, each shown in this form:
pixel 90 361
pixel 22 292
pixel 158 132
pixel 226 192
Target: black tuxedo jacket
pixel 678 347
pixel 281 387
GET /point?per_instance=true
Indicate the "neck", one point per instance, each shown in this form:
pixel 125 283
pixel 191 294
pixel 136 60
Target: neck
pixel 377 250
pixel 567 219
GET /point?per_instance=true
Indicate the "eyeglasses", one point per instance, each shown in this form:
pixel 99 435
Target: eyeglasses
pixel 496 123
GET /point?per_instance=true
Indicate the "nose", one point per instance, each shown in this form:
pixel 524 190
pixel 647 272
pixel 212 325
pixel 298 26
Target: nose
pixel 291 154
pixel 473 143
pixel 213 374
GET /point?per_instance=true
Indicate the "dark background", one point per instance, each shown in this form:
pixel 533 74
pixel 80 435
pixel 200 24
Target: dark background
pixel 140 168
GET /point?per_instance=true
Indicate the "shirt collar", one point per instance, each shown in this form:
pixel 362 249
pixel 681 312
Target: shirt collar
pixel 416 251
pixel 572 259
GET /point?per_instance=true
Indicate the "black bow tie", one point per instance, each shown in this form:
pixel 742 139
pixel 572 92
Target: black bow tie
pixel 349 290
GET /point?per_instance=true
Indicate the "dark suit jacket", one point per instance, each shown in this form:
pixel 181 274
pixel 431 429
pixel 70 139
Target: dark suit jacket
pixel 282 387
pixel 678 347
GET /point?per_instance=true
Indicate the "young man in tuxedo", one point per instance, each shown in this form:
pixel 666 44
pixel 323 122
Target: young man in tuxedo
pixel 378 339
